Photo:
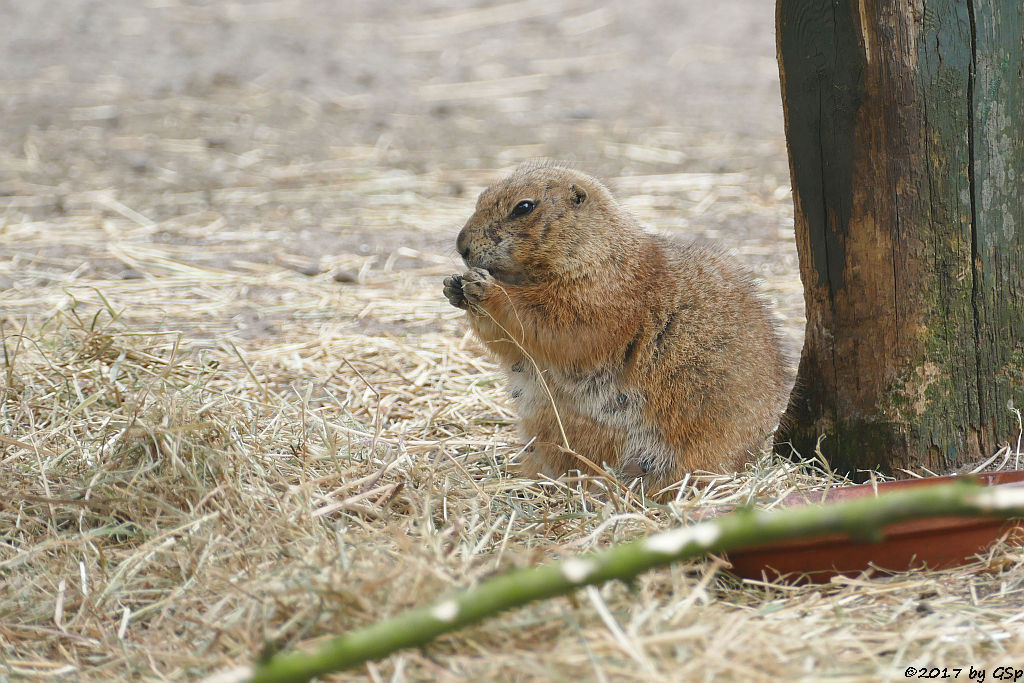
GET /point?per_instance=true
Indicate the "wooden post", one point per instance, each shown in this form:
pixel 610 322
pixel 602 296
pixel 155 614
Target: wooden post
pixel 905 124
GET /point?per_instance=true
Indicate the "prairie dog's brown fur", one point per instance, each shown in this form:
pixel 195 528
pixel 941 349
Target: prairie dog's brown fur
pixel 658 356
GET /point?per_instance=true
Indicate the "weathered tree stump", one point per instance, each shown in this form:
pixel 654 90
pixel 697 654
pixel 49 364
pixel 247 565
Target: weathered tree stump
pixel 905 124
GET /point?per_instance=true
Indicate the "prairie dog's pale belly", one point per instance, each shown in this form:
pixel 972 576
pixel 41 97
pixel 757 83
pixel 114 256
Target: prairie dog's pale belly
pixel 597 395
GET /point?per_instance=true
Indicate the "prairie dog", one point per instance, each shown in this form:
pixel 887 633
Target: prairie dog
pixel 651 357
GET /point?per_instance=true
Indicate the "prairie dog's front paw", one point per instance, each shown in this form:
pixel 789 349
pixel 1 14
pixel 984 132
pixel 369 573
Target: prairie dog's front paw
pixel 476 285
pixel 453 291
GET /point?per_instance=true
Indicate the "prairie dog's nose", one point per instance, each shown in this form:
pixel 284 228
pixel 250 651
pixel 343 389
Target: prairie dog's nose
pixel 462 243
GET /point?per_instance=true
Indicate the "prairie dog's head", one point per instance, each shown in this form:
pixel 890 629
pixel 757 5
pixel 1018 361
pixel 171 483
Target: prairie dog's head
pixel 541 222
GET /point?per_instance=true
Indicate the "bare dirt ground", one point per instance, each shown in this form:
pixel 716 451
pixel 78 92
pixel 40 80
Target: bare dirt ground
pixel 324 129
pixel 236 411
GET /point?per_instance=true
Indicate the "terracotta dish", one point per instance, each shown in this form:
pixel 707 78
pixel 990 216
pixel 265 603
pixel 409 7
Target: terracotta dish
pixel 934 542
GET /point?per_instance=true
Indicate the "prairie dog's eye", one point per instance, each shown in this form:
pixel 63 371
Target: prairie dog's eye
pixel 522 208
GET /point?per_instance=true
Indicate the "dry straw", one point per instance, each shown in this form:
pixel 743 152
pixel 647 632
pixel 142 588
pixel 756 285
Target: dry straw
pixel 178 494
pixel 214 441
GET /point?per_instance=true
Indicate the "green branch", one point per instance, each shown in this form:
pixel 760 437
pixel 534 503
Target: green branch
pixel 859 518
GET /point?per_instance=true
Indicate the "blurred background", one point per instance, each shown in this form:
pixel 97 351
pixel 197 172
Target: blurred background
pixel 292 132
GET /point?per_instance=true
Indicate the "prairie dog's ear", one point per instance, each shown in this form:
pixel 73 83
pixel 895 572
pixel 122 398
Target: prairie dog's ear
pixel 577 195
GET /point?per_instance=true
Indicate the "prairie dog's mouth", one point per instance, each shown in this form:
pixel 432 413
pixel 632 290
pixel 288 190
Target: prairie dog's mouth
pixel 503 275
pixel 507 276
